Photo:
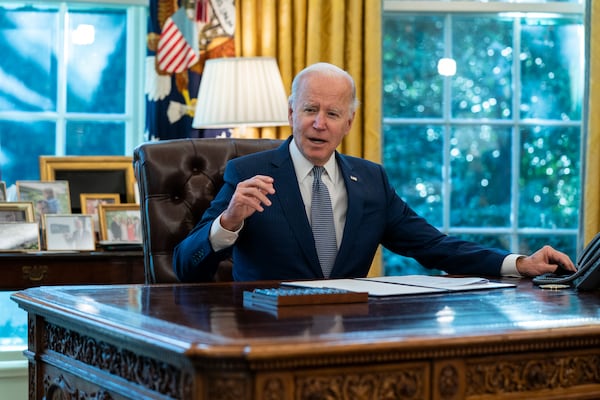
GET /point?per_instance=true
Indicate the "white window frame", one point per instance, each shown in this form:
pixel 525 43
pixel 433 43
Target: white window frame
pixel 462 7
pixel 135 104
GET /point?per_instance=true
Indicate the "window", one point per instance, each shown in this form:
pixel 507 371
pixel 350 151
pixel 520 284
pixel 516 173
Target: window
pixel 73 83
pixel 70 84
pixel 13 324
pixel 482 106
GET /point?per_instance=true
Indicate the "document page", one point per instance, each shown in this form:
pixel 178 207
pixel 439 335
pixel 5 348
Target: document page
pixel 374 288
pixel 403 285
pixel 441 282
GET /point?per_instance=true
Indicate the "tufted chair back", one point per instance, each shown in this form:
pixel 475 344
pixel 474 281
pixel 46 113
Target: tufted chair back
pixel 177 180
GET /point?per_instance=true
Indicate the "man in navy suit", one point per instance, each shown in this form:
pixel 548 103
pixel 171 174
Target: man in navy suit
pixel 261 216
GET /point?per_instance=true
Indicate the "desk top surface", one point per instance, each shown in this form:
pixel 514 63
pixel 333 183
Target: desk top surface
pixel 194 318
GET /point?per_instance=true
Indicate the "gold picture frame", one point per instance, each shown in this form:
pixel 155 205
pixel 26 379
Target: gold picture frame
pixel 91 174
pixel 91 201
pixel 2 191
pixel 17 211
pixel 120 223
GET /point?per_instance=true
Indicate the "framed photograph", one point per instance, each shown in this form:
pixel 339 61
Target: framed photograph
pixel 136 193
pixel 2 191
pixel 17 211
pixel 69 232
pixel 19 236
pixel 91 174
pixel 47 197
pixel 90 202
pixel 120 223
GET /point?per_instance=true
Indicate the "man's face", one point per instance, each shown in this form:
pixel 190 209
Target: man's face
pixel 321 117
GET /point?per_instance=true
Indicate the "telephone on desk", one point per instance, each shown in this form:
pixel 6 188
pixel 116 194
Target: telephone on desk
pixel 587 276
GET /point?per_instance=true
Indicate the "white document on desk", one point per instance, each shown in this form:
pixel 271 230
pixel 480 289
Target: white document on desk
pixel 402 285
pixel 442 282
pixel 374 288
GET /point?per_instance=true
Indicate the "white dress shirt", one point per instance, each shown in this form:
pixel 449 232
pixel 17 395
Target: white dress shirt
pixel 331 178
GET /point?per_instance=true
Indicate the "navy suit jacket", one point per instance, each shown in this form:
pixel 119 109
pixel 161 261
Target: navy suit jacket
pixel 278 243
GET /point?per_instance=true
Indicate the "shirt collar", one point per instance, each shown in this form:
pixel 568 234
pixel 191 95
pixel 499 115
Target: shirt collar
pixel 303 167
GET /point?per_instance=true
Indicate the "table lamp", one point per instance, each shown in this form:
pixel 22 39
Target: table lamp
pixel 240 92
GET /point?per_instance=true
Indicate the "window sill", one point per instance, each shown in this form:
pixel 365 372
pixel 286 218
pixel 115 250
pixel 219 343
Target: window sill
pixel 12 363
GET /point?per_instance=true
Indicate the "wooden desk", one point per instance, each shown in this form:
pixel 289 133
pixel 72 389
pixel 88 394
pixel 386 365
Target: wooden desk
pixel 23 270
pixel 198 342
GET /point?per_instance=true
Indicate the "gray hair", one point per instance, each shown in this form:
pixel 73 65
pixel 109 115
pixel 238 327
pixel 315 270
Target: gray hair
pixel 323 69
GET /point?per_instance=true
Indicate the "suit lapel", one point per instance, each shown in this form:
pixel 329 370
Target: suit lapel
pixel 292 205
pixel 354 188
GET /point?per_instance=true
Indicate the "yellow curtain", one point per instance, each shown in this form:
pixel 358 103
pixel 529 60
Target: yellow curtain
pixel 591 207
pixel 298 33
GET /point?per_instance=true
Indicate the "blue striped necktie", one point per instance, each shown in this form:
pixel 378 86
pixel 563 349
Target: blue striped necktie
pixel 321 215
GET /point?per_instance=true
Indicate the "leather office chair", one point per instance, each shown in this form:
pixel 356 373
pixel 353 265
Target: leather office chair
pixel 177 180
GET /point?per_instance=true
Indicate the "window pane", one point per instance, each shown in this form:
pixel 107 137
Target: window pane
pixel 566 243
pixel 550 177
pixel 21 143
pixel 413 157
pixel 95 138
pixel 480 160
pixel 28 40
pixel 491 240
pixel 13 323
pixel 96 61
pixel 483 50
pixel 411 48
pixel 552 60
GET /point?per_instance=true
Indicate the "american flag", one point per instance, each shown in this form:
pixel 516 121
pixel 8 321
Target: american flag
pixel 178 43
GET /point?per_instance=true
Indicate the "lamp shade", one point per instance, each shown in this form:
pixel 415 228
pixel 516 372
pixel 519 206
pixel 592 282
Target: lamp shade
pixel 241 92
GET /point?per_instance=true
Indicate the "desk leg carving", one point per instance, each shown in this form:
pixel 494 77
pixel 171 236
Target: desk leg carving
pixel 448 380
pixel 59 389
pixel 146 372
pixel 273 389
pixel 230 388
pixel 34 273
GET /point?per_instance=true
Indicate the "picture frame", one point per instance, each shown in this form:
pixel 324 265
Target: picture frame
pixel 90 202
pixel 47 197
pixel 19 236
pixel 2 191
pixel 120 223
pixel 17 211
pixel 91 174
pixel 69 232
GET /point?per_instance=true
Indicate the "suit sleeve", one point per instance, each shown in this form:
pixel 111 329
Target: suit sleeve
pixel 194 259
pixel 410 235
